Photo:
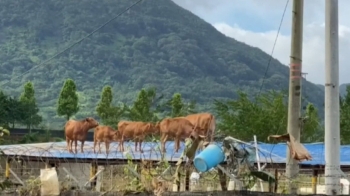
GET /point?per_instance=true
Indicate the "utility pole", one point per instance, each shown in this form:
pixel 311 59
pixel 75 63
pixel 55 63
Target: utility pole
pixel 294 102
pixel 332 122
pixel 302 116
pixel 303 76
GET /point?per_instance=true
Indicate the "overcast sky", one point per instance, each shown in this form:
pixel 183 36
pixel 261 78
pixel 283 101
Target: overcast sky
pixel 256 22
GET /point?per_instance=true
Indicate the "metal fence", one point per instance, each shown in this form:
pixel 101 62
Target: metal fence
pixel 134 175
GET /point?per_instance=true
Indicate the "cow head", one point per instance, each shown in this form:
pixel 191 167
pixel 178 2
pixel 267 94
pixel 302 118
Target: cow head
pixel 196 136
pixel 116 136
pixel 157 126
pixel 198 130
pixel 91 122
pixel 152 128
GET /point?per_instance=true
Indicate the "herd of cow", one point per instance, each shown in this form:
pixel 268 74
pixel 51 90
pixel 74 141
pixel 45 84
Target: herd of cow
pixel 200 125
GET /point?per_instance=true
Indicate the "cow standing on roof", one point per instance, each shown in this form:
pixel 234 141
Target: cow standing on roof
pixel 178 129
pixel 205 121
pixel 77 131
pixel 106 134
pixel 136 131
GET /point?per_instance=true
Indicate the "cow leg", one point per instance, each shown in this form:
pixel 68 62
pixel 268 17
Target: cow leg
pixel 163 140
pixel 140 143
pixel 119 147
pixel 82 146
pixel 107 146
pixel 71 146
pixel 177 144
pixel 99 146
pixel 95 146
pixel 75 145
pixel 67 140
pixel 122 144
pixel 136 142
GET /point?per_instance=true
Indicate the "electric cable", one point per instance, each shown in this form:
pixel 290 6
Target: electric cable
pixel 273 49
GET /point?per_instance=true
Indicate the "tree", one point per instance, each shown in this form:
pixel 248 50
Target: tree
pixel 145 106
pixel 104 106
pixel 108 113
pixel 179 107
pixel 68 100
pixel 16 111
pixel 3 109
pixel 266 115
pixel 243 117
pixel 11 111
pixel 176 105
pixel 311 129
pixel 30 108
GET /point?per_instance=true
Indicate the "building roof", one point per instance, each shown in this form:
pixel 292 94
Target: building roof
pixel 268 153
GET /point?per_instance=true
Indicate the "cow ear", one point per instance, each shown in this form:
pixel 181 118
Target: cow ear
pixel 87 119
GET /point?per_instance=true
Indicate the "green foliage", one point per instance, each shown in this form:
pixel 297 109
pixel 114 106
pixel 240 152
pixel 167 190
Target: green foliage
pixel 104 106
pixel 345 116
pixel 29 138
pixel 266 115
pixel 30 114
pixel 144 107
pixel 68 100
pixel 311 125
pixel 154 44
pixel 3 132
pixel 178 107
pixel 108 113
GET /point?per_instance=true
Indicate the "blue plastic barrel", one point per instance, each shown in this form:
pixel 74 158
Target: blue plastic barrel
pixel 210 157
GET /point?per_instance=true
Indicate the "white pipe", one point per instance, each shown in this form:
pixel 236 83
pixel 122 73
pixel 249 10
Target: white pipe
pixel 258 161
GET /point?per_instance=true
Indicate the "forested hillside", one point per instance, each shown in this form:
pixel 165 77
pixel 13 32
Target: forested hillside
pixel 155 44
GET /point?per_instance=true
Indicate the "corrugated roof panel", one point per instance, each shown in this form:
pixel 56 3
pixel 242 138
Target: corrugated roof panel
pixel 269 153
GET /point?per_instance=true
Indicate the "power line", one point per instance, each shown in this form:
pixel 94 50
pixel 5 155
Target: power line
pixel 75 43
pixel 273 48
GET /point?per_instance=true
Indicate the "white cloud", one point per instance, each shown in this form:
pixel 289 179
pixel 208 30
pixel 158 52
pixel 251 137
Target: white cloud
pixel 313 47
pixel 249 20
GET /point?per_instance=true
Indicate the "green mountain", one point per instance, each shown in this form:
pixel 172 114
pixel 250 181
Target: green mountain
pixel 156 43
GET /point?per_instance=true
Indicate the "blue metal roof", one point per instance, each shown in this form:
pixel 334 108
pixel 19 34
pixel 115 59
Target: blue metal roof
pixel 316 150
pixel 151 151
pixel 269 153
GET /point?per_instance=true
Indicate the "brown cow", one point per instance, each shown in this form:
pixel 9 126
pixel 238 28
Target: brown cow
pixel 178 128
pixel 105 134
pixel 136 131
pixel 205 121
pixel 77 130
